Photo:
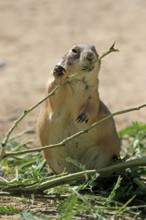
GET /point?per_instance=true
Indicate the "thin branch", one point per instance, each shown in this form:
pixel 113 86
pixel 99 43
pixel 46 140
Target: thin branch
pixel 111 49
pixel 62 143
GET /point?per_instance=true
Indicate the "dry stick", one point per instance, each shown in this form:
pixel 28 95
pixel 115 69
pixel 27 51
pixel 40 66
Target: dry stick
pixel 62 143
pixel 12 128
pixel 111 49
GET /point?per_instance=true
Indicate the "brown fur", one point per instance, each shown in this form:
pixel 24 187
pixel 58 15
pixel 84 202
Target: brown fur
pixel 75 106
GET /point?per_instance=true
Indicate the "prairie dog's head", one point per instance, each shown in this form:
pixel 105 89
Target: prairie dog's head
pixel 79 59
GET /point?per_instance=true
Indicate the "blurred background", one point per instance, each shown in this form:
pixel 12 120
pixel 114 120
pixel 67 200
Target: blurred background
pixel 34 35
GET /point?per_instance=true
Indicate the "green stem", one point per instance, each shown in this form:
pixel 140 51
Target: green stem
pixel 69 178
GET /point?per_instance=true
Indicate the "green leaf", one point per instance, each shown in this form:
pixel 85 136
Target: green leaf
pixel 113 192
pixel 133 129
pixel 9 210
pixel 27 215
pixel 66 209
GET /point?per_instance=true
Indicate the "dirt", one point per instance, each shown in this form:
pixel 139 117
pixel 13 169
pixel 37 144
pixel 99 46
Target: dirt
pixel 28 207
pixel 35 34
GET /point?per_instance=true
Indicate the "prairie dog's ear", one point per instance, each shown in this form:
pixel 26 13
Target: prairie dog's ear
pixel 58 71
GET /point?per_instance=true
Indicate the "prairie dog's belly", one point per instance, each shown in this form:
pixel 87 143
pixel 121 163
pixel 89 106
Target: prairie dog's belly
pixel 79 149
pixel 63 128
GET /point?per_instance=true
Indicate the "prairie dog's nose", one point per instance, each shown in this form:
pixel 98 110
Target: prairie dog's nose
pixel 90 56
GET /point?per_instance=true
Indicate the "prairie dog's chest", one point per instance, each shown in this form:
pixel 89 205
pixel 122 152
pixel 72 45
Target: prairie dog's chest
pixel 81 89
pixel 63 118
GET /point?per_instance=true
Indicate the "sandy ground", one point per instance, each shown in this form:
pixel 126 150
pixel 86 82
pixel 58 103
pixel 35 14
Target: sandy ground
pixel 34 35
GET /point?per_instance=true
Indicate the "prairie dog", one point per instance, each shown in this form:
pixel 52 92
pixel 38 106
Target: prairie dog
pixel 73 107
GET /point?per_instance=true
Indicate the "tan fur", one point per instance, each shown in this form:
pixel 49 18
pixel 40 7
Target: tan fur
pixel 75 106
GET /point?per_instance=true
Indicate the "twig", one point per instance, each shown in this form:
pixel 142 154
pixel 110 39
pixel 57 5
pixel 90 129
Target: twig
pixel 111 49
pixel 62 143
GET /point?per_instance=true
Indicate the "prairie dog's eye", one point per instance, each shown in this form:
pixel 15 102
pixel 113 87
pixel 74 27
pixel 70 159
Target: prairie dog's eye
pixel 75 50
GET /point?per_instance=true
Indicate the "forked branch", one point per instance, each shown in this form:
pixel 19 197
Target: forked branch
pixel 111 49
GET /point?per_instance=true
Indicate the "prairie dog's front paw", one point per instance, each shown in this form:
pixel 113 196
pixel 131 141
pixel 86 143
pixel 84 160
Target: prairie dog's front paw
pixel 58 71
pixel 83 117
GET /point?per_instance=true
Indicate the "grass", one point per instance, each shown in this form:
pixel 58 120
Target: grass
pixel 120 196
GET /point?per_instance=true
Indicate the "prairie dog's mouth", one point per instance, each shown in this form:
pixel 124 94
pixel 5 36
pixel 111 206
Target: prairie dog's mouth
pixel 88 68
pixel 90 65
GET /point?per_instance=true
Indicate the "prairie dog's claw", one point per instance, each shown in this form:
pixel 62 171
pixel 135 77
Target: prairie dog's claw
pixel 83 117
